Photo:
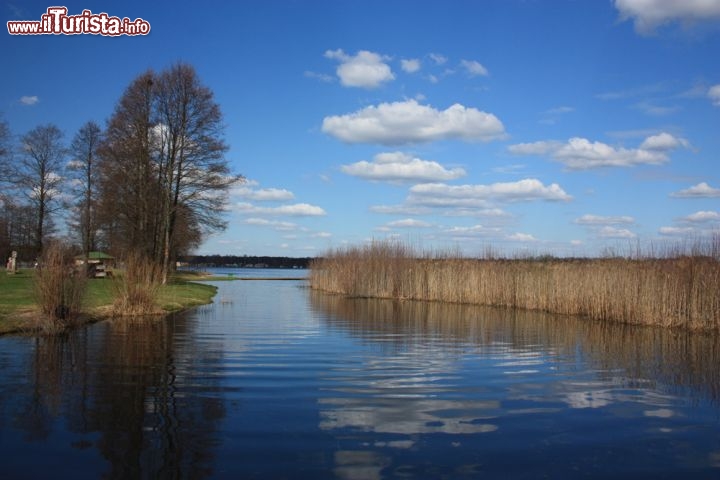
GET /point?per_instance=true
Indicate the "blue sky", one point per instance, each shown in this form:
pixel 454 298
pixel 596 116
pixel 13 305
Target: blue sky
pixel 556 126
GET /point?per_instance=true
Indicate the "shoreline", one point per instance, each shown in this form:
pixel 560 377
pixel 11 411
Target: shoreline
pixel 22 316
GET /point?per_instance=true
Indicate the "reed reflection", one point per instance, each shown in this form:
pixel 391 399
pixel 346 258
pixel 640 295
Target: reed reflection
pixel 624 355
pixel 130 388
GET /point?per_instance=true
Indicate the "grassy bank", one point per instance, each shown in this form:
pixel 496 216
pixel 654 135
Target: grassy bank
pixel 675 289
pixel 19 311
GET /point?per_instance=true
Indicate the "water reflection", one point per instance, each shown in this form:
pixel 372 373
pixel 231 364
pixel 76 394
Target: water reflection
pixel 522 341
pixel 275 381
pixel 126 389
pixel 514 378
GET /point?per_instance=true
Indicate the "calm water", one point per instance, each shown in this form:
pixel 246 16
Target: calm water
pixel 276 381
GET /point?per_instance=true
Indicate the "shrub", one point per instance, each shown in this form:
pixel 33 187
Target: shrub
pixel 137 288
pixel 59 287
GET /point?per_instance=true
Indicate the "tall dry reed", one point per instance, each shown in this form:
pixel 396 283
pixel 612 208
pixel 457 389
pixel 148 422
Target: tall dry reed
pixel 137 288
pixel 59 288
pixel 675 289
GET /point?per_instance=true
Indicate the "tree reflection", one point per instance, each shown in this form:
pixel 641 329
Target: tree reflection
pixel 134 385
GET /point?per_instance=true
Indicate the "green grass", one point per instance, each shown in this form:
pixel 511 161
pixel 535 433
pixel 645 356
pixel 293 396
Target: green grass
pixel 17 297
pixel 180 294
pixel 16 292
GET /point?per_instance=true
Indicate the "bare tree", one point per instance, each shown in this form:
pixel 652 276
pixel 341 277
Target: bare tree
pixel 39 175
pixel 129 184
pixel 84 150
pixel 165 177
pixel 190 156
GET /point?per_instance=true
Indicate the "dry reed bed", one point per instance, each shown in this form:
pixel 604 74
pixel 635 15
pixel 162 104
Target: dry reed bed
pixel 670 291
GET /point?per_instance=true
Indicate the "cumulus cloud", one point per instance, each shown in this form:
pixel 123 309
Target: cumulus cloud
pixel 442 195
pixel 700 223
pixel 714 94
pixel 701 190
pixel 365 69
pixel 401 167
pixel 410 122
pixel 596 220
pixel 521 237
pixel 474 68
pixel 663 141
pixel 411 65
pixel 702 216
pixel 29 100
pixel 647 15
pixel 293 210
pixel 582 154
pixel 613 232
pixel 247 191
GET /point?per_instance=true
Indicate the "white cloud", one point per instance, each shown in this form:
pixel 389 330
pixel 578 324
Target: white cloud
pixel 650 14
pixel 701 190
pixel 474 231
pixel 612 232
pixel 521 237
pixel 409 223
pixel 582 154
pixel 474 68
pixel 663 141
pixel 401 167
pixel 274 224
pixel 702 217
pixel 442 195
pixel 246 191
pixel 714 94
pixel 294 210
pixel 29 100
pixel 411 65
pixel 438 59
pixel 365 69
pixel 596 220
pixel 321 235
pixel 409 122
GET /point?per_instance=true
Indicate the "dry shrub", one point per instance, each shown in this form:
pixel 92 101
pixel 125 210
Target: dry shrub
pixel 59 288
pixel 678 289
pixel 137 288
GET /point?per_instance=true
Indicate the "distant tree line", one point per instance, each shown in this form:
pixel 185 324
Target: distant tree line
pixel 246 261
pixel 153 183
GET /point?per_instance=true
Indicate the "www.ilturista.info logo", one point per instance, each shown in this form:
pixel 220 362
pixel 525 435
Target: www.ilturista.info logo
pixel 57 22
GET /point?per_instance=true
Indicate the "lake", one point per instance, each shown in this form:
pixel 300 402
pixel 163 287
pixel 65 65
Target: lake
pixel 274 380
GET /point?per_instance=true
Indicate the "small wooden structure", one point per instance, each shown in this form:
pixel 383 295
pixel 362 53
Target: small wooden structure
pixel 99 264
